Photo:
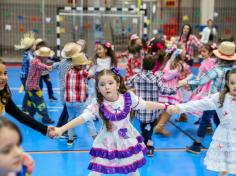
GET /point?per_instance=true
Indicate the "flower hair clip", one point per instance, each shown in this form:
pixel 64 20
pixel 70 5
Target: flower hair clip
pixel 107 45
pixel 116 71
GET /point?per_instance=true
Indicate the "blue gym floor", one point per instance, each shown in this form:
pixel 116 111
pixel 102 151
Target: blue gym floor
pixel 54 158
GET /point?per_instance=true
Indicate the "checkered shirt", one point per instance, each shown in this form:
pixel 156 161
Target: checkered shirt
pixel 148 86
pixel 35 70
pixel 76 87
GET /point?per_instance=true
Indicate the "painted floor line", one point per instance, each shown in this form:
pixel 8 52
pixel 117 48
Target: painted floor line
pixel 86 151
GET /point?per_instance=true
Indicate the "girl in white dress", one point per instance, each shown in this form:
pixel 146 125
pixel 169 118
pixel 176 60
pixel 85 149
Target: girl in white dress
pixel 221 156
pixel 118 148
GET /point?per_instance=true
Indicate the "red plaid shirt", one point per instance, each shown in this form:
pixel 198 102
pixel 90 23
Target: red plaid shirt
pixel 76 85
pixel 35 70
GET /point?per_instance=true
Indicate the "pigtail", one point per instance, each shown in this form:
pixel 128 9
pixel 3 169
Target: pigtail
pixel 222 96
pixel 5 95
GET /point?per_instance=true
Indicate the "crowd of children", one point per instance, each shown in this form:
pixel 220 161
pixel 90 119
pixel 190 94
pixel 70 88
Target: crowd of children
pixel 159 78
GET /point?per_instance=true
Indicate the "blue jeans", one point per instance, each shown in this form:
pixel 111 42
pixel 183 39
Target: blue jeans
pixel 205 120
pixel 74 110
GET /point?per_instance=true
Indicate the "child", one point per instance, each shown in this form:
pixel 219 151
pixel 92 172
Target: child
pixel 13 162
pixel 147 86
pixel 28 47
pixel 45 74
pixel 216 75
pixel 76 93
pixel 206 65
pixel 221 155
pixel 62 67
pixel 35 101
pixel 172 71
pixel 118 148
pixel 7 105
pixel 104 59
pixel 135 56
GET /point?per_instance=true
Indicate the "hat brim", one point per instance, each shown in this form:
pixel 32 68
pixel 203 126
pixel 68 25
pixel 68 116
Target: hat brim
pixel 51 54
pixel 82 63
pixel 68 57
pixel 224 57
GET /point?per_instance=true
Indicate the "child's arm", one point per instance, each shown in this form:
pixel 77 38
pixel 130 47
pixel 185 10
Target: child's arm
pixel 150 105
pixel 207 103
pixel 75 122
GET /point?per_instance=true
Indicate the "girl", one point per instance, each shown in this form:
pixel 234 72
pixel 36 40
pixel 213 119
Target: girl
pixel 171 74
pixel 7 105
pixel 104 59
pixel 209 32
pixel 221 156
pixel 225 62
pixel 207 64
pixel 118 148
pixel 135 56
pixel 13 162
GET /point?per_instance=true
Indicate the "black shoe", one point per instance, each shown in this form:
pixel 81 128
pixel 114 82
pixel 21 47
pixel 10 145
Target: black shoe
pixel 194 148
pixel 70 141
pixel 197 122
pixel 150 151
pixel 53 99
pixel 49 121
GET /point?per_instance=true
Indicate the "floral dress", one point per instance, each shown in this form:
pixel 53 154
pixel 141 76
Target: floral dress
pixel 204 90
pixel 121 150
pixel 221 155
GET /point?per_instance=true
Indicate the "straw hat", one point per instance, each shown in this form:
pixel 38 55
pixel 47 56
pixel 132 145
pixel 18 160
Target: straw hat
pixel 70 49
pixel 44 52
pixel 82 43
pixel 38 40
pixel 80 59
pixel 226 51
pixel 26 42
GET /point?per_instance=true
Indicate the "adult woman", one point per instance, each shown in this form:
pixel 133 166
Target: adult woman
pixel 209 32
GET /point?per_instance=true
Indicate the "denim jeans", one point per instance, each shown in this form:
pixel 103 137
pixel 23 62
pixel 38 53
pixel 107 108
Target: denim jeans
pixel 205 120
pixel 48 82
pixel 74 110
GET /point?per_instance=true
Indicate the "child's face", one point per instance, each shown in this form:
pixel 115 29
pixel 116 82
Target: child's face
pixel 10 152
pixel 186 30
pixel 80 67
pixel 108 87
pixel 204 52
pixel 101 51
pixel 232 84
pixel 3 76
pixel 138 42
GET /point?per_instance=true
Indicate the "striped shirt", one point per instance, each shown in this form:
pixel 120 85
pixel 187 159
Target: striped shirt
pixel 76 87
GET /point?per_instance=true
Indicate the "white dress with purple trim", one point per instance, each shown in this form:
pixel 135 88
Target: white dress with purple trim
pixel 122 150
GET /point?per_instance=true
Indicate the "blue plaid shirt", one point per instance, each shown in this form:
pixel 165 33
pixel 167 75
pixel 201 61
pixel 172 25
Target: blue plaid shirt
pixel 216 75
pixel 148 86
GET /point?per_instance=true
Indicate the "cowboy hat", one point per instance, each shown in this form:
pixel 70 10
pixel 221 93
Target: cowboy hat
pixel 82 43
pixel 80 59
pixel 38 41
pixel 226 51
pixel 44 52
pixel 26 42
pixel 70 49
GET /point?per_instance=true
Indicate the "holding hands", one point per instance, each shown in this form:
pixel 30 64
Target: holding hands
pixel 173 109
pixel 54 132
pixel 182 83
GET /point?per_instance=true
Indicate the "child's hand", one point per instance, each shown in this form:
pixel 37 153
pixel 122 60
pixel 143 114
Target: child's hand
pixel 50 131
pixel 182 83
pixel 56 132
pixel 172 109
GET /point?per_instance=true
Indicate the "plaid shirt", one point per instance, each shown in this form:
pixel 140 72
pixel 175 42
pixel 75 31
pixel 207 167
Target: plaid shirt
pixel 27 56
pixel 76 85
pixel 189 46
pixel 148 86
pixel 216 75
pixel 35 71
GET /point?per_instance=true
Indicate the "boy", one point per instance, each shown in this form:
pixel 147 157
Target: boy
pixel 147 86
